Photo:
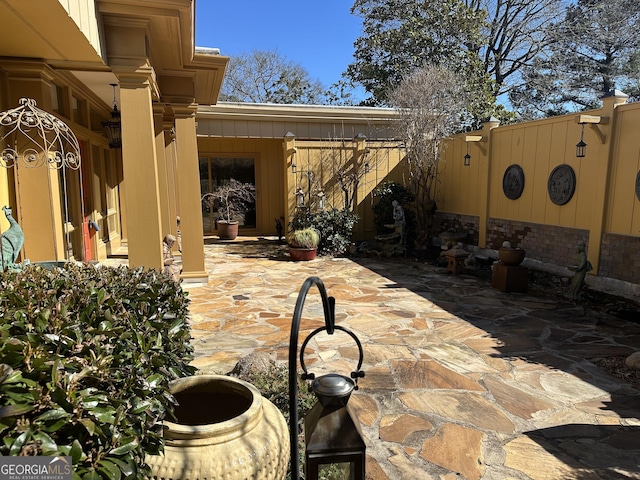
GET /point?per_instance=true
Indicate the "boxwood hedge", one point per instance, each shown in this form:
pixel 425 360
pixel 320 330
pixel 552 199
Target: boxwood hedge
pixel 86 355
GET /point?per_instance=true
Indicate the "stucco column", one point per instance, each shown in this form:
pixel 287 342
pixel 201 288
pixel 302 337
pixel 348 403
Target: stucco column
pixel 289 152
pixel 139 164
pixel 37 207
pixel 604 153
pixel 188 182
pixel 165 171
pixel 484 178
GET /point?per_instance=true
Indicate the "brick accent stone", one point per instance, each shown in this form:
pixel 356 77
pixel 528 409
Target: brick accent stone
pixel 619 254
pixel 620 257
pixel 469 224
pixel 546 243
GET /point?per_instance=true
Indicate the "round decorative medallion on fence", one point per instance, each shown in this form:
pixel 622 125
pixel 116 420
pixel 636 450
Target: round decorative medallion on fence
pixel 561 184
pixel 513 182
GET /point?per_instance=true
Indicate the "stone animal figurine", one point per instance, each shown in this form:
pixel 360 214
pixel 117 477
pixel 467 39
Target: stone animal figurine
pixel 279 229
pixel 11 241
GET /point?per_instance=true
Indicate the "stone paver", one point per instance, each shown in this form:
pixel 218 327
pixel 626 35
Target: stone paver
pixel 462 380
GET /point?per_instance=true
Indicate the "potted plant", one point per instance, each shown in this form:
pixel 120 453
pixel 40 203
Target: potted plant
pixel 231 199
pixel 303 243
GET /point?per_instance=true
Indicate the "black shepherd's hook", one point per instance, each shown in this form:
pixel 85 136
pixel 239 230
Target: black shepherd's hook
pixel 329 307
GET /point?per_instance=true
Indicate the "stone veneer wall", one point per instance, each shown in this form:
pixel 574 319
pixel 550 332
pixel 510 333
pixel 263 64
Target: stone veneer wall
pixel 455 223
pixel 620 257
pixel 545 243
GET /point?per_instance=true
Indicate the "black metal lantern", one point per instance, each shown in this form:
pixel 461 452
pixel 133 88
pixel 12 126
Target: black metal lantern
pixel 467 157
pixel 113 126
pixel 333 438
pixel 581 147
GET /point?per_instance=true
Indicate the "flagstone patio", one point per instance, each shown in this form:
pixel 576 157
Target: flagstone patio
pixel 462 380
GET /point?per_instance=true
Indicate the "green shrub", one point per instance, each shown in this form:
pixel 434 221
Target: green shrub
pixel 335 228
pixel 384 196
pixel 86 355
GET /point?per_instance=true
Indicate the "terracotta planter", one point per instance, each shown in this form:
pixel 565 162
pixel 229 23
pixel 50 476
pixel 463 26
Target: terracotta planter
pixel 302 254
pixel 511 256
pixel 227 230
pixel 225 429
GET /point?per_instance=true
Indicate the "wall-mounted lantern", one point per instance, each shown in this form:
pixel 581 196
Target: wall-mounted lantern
pixel 333 436
pixel 113 126
pixel 467 157
pixel 594 122
pixel 581 147
pixel 467 139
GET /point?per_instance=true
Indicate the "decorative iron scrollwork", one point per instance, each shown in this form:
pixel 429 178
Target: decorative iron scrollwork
pixel 35 138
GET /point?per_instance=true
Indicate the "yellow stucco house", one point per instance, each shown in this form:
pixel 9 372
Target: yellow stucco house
pixel 65 55
pixel 77 59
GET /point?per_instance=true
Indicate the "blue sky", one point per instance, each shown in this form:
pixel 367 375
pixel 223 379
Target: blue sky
pixel 318 35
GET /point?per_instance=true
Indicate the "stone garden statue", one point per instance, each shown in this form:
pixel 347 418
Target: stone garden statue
pixel 399 222
pixel 581 267
pixel 11 241
pixel 394 243
pixel 170 268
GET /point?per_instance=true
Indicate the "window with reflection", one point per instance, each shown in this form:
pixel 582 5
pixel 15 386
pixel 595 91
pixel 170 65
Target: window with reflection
pixel 216 170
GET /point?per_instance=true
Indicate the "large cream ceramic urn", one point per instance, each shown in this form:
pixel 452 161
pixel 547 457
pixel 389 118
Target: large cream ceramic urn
pixel 224 430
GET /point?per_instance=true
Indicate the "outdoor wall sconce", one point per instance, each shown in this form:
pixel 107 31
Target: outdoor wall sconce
pixel 593 121
pixel 294 166
pixel 332 433
pixel 467 157
pixel 472 138
pixel 581 147
pixel 113 126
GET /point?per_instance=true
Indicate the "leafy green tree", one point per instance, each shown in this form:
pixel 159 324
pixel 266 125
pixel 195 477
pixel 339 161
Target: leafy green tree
pixel 512 36
pixel 400 35
pixel 487 42
pixel 594 50
pixel 268 77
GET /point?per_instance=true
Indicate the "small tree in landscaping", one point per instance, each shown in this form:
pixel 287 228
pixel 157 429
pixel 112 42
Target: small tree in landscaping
pixel 429 103
pixel 232 198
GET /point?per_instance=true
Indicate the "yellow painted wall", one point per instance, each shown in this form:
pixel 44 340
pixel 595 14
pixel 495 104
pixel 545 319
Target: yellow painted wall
pixel 623 212
pixel 538 147
pixel 276 183
pixel 326 158
pixel 604 200
pixel 268 156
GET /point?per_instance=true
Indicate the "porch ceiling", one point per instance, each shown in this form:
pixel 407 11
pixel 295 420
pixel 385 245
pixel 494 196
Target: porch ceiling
pixel 171 48
pixel 29 29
